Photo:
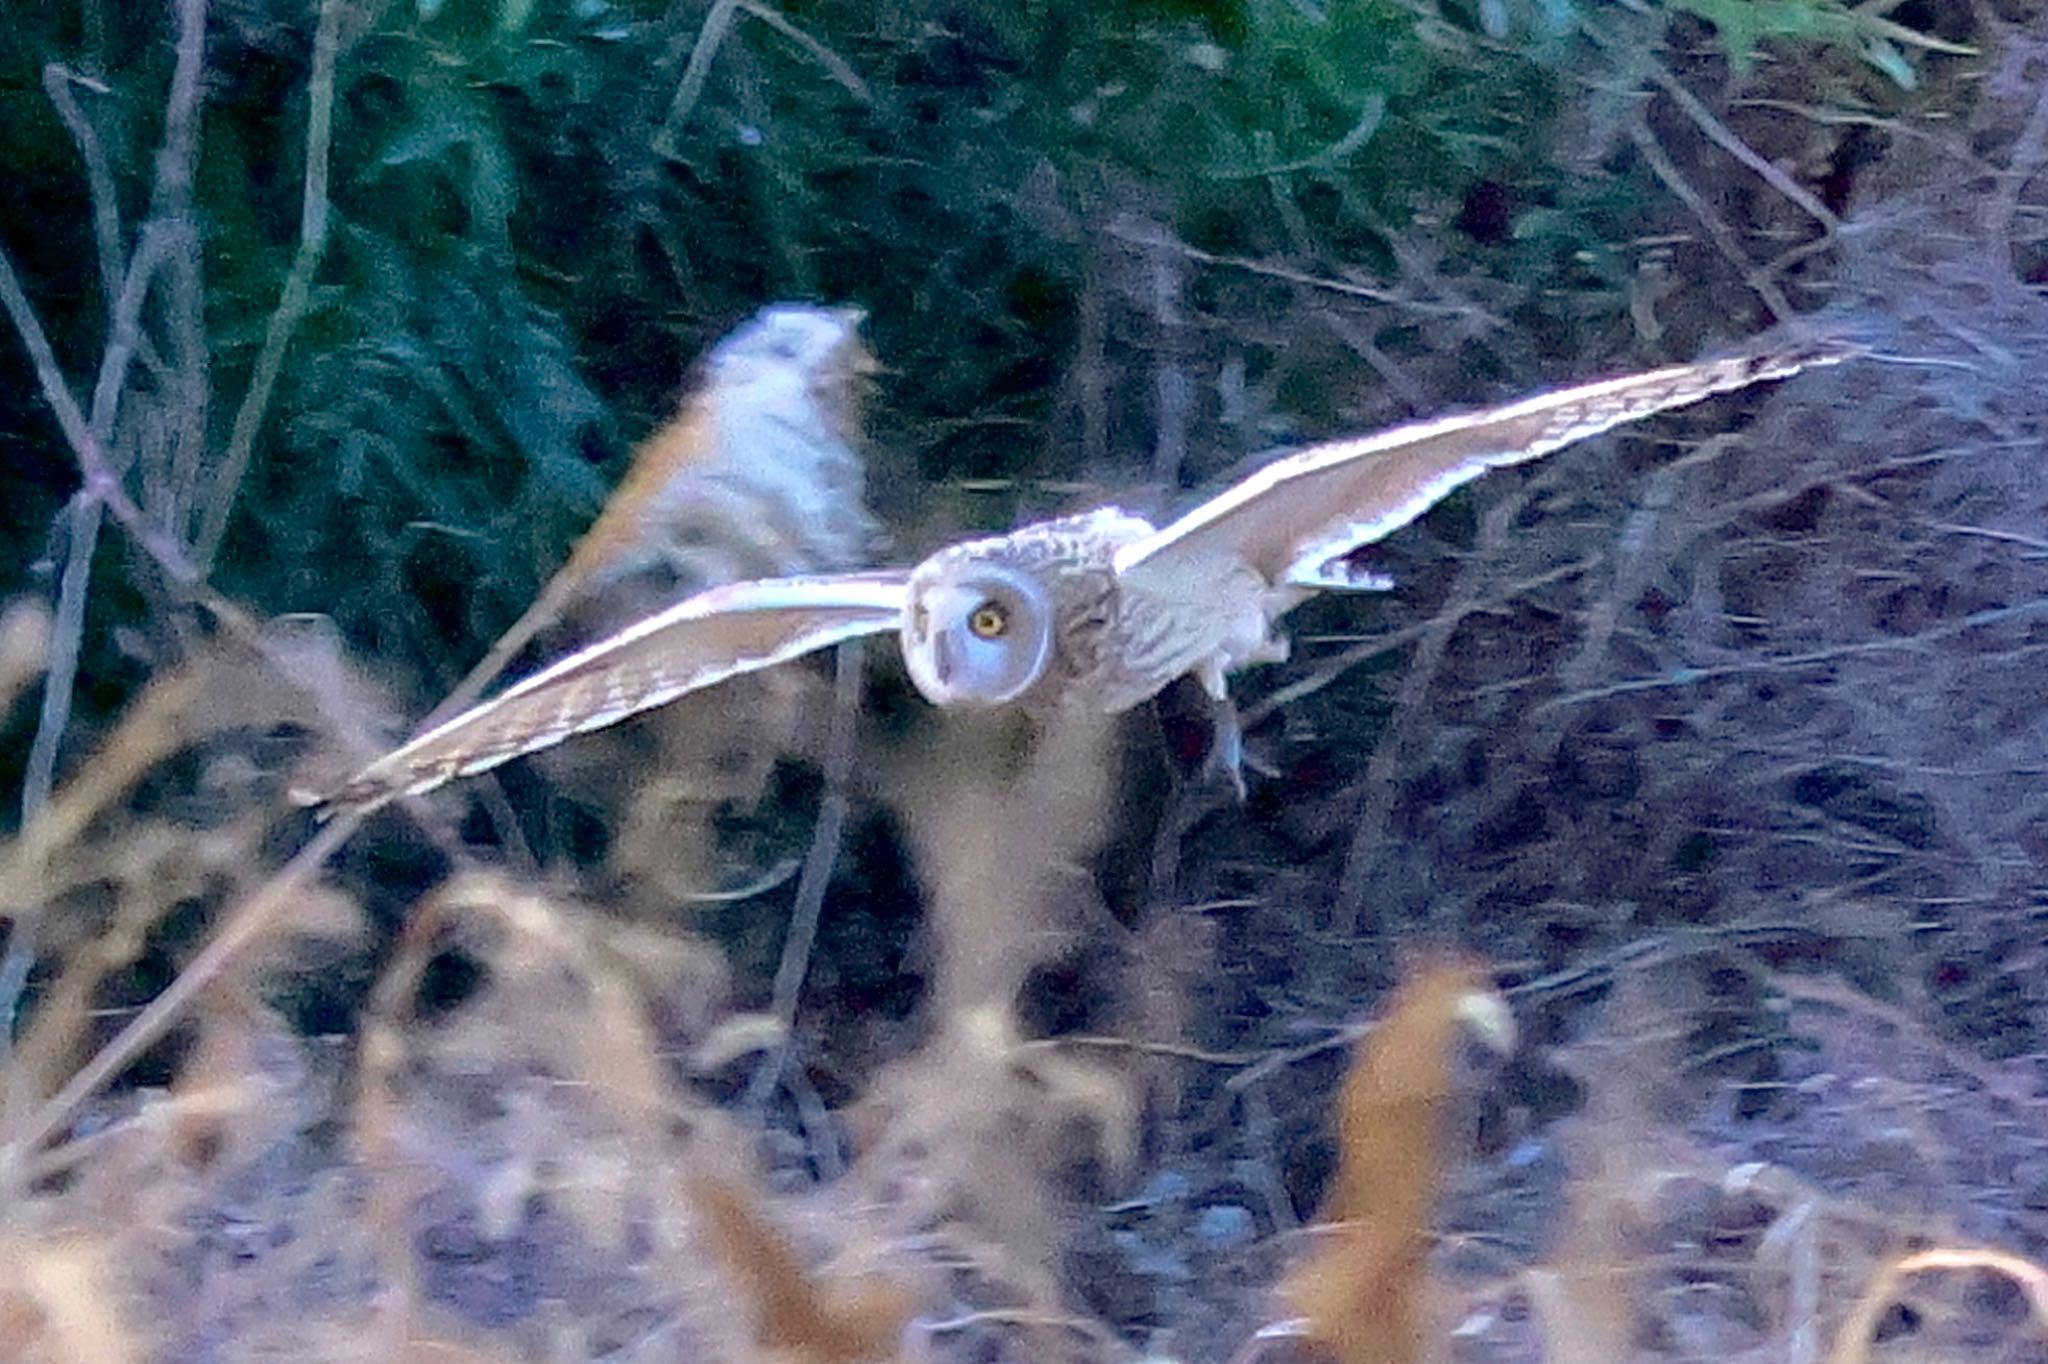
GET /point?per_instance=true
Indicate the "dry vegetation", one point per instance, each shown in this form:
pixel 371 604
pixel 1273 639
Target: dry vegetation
pixel 1715 751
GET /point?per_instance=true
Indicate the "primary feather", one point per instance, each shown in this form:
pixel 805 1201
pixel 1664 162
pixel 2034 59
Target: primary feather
pixel 710 637
pixel 1299 512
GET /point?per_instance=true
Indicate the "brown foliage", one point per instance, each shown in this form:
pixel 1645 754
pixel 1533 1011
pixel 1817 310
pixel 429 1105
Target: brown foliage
pixel 1361 1289
pixel 796 1318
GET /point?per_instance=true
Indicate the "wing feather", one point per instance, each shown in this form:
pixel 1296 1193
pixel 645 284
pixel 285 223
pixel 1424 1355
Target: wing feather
pixel 1314 506
pixel 712 636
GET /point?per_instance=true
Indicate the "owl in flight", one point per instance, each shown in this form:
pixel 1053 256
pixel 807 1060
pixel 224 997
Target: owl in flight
pixel 1099 611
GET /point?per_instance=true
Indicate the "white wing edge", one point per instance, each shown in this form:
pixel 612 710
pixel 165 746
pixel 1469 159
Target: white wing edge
pixel 1309 566
pixel 1763 367
pixel 879 592
pixel 886 594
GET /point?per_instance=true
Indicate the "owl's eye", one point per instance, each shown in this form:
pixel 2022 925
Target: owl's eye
pixel 989 621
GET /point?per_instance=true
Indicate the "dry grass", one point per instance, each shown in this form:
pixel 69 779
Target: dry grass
pixel 1362 1290
pixel 1727 759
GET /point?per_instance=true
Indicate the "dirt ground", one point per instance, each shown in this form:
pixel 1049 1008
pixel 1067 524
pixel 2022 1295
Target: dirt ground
pixel 1721 741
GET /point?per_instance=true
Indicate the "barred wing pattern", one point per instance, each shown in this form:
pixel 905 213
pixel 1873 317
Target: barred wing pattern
pixel 1296 515
pixel 706 639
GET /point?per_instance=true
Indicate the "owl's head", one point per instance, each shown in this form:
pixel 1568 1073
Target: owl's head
pixel 792 343
pixel 976 633
pixel 796 364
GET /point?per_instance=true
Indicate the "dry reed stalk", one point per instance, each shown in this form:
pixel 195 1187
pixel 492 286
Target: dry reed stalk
pixel 1361 1290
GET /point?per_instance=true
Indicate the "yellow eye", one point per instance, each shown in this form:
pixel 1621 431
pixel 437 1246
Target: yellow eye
pixel 989 621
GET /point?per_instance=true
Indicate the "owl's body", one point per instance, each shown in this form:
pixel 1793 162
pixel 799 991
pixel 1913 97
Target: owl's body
pixel 1115 641
pixel 1099 611
pixel 1111 642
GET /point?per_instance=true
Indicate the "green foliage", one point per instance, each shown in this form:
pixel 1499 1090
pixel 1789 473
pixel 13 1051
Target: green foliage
pixel 530 225
pixel 542 209
pixel 1745 24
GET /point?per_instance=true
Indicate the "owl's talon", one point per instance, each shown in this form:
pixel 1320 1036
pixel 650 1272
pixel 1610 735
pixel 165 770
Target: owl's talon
pixel 1226 748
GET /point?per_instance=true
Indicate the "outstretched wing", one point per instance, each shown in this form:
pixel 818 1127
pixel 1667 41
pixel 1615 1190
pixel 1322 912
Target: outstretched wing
pixel 714 635
pixel 1298 513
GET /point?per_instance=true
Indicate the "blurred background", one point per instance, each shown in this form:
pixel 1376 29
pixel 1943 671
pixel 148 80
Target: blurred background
pixel 1718 741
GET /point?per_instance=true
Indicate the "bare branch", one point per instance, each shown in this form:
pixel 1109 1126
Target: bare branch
pixel 710 37
pixel 293 299
pixel 99 176
pixel 818 863
pixel 1723 237
pixel 837 66
pixel 1703 118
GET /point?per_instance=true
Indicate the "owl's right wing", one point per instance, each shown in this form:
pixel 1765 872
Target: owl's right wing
pixel 714 635
pixel 1301 512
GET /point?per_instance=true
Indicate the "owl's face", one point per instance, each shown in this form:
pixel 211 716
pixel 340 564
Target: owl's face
pixel 791 342
pixel 976 634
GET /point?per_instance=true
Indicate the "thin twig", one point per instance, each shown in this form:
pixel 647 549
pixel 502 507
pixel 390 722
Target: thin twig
pixel 90 438
pixel 1327 670
pixel 710 36
pixel 1173 1050
pixel 174 176
pixel 838 67
pixel 808 906
pixel 1694 676
pixel 88 448
pixel 99 176
pixel 70 417
pixel 293 299
pixel 1634 59
pixel 177 160
pixel 123 330
pixel 1354 882
pixel 247 922
pixel 184 303
pixel 124 336
pixel 59 676
pixel 59 673
pixel 1173 391
pixel 1723 236
pixel 163 484
pixel 1141 232
pixel 100 479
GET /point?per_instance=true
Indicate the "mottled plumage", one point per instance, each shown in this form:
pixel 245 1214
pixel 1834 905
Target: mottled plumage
pixel 1099 611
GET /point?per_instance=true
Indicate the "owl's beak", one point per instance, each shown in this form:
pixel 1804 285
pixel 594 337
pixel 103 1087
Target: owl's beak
pixel 945 659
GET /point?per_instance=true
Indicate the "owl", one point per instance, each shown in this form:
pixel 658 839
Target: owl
pixel 757 474
pixel 1098 611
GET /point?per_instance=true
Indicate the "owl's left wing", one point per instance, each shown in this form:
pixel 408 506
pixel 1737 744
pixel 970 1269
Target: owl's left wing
pixel 1297 514
pixel 712 636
